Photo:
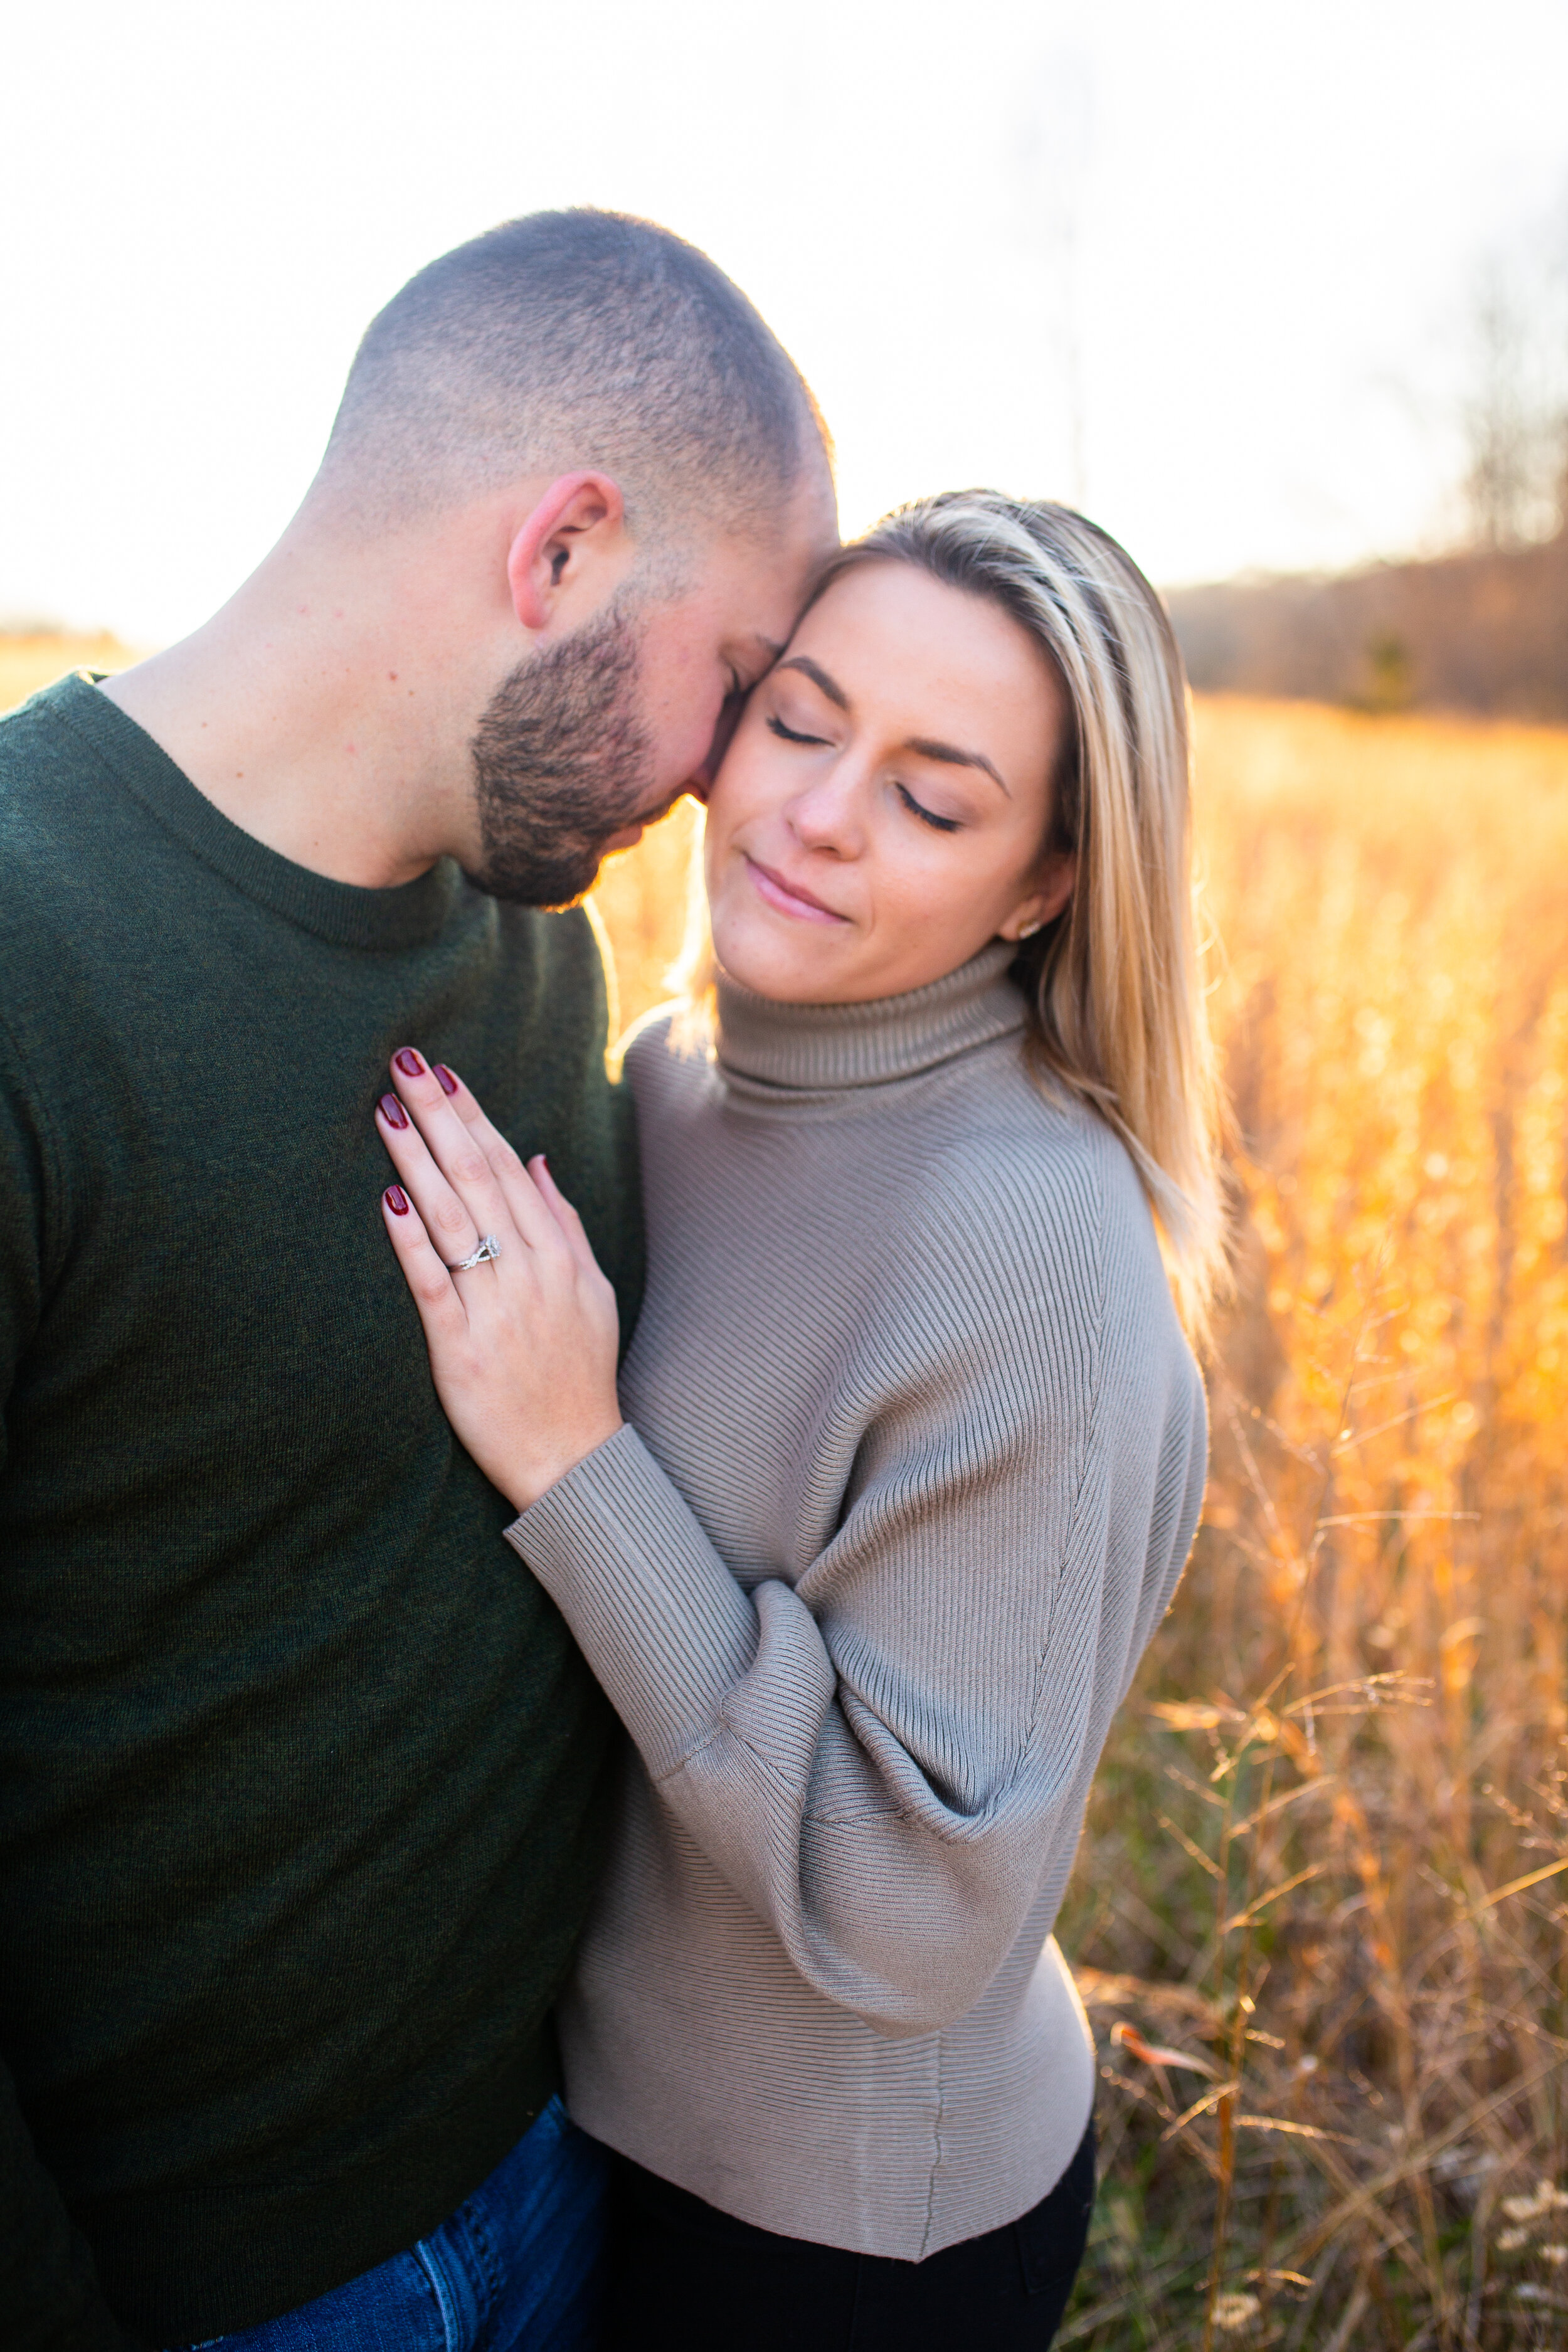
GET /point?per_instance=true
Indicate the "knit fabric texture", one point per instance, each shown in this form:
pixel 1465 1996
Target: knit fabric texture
pixel 914 1455
pixel 302 1787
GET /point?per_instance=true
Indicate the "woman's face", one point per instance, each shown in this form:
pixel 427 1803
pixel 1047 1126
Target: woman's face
pixel 881 813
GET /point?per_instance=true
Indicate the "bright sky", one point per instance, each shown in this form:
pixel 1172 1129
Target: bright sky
pixel 1203 267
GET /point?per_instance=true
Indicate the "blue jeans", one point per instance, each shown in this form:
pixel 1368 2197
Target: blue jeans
pixel 515 2268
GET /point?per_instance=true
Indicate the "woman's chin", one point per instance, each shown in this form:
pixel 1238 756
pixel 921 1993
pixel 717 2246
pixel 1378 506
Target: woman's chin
pixel 779 967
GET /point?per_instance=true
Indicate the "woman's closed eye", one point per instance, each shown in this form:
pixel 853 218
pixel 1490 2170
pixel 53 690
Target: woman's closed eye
pixel 792 735
pixel 916 808
pixel 926 815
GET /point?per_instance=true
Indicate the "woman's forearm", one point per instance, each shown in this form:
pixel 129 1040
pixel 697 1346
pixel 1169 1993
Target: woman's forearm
pixel 820 1801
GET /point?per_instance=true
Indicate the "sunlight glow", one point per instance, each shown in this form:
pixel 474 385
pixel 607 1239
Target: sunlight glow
pixel 1205 268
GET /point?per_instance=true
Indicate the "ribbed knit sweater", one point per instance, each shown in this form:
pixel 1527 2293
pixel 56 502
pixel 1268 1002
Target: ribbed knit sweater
pixel 914 1455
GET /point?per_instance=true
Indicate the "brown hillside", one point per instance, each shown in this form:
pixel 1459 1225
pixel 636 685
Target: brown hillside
pixel 1484 631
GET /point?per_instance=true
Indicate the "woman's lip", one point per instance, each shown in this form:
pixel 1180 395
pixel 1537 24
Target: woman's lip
pixel 777 892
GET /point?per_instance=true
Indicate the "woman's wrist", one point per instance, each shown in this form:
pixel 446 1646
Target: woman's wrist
pixel 528 1480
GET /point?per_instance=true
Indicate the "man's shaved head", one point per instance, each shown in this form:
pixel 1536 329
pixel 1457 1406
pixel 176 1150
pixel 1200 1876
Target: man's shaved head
pixel 575 340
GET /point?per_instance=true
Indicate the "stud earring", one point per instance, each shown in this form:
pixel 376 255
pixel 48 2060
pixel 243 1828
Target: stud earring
pixel 1028 931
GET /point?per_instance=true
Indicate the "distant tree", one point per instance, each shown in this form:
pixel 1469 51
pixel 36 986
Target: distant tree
pixel 1498 481
pixel 1515 416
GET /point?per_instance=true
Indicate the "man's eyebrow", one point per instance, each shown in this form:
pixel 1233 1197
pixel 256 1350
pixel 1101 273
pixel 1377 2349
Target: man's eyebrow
pixel 952 757
pixel 819 679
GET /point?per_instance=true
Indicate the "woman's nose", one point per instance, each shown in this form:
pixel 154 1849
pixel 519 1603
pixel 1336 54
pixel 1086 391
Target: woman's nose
pixel 827 816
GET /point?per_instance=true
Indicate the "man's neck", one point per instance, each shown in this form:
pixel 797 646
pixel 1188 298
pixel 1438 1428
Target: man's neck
pixel 320 714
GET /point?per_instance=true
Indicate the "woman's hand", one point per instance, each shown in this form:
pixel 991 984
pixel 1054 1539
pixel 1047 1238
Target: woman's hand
pixel 524 1346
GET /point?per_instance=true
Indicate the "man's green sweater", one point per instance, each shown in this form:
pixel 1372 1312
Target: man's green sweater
pixel 301 1780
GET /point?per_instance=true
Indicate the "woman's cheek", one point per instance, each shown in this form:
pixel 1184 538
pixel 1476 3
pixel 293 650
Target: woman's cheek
pixel 757 777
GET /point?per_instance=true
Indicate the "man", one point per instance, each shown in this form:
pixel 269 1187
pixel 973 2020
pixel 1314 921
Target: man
pixel 303 1782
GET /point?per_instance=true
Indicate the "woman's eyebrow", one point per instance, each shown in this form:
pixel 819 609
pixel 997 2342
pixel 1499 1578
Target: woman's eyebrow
pixel 949 754
pixel 819 679
pixel 953 758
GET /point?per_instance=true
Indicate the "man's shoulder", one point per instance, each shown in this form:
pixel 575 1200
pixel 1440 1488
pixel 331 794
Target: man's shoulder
pixel 42 768
pixel 564 936
pixel 529 935
pixel 40 730
pixel 553 972
pixel 53 772
pixel 37 746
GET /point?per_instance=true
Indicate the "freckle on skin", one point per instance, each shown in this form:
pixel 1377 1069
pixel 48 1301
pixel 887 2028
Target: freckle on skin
pixel 392 673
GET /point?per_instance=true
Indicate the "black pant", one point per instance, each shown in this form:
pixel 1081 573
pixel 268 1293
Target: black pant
pixel 687 2278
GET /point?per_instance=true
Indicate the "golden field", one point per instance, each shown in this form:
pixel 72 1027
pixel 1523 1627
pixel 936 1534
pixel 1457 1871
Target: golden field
pixel 36 658
pixel 1354 1719
pixel 1320 1914
pixel 1317 1917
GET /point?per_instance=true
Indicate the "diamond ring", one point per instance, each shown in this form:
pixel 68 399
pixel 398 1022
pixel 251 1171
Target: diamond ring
pixel 490 1247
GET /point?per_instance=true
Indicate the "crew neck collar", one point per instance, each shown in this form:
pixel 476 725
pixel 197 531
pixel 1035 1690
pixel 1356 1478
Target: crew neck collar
pixel 410 915
pixel 776 1050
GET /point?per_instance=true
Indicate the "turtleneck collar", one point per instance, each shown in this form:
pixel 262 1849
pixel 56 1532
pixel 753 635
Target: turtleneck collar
pixel 782 1052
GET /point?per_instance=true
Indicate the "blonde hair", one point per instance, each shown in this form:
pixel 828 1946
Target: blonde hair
pixel 1117 1015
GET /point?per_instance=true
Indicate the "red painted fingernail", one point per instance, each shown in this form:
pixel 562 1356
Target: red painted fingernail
pixel 392 1112
pixel 448 1083
pixel 396 1200
pixel 407 1060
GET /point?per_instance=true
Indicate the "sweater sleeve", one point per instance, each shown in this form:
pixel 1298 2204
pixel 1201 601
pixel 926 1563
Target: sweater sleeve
pixel 48 2293
pixel 885 1759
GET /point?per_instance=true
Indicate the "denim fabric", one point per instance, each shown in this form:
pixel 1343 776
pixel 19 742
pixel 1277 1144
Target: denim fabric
pixel 515 2268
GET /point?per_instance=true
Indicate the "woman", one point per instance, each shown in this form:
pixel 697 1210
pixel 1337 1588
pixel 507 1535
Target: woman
pixel 912 1447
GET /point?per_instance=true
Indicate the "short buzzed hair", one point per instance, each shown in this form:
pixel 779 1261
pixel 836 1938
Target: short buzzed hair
pixel 575 339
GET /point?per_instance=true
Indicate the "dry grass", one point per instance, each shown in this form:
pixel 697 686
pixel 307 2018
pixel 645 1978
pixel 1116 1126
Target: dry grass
pixel 1353 1722
pixel 1319 1917
pixel 29 659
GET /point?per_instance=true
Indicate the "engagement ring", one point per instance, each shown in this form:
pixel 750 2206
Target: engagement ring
pixel 490 1247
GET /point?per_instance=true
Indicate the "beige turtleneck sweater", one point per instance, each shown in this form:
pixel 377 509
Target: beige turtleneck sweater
pixel 914 1455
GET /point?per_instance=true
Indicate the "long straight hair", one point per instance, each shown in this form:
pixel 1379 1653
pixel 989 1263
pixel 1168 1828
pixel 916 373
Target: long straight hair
pixel 1117 1017
pixel 1117 1011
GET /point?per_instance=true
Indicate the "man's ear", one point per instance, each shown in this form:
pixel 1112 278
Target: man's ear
pixel 579 513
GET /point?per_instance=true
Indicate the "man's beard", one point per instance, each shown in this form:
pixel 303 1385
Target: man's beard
pixel 561 763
